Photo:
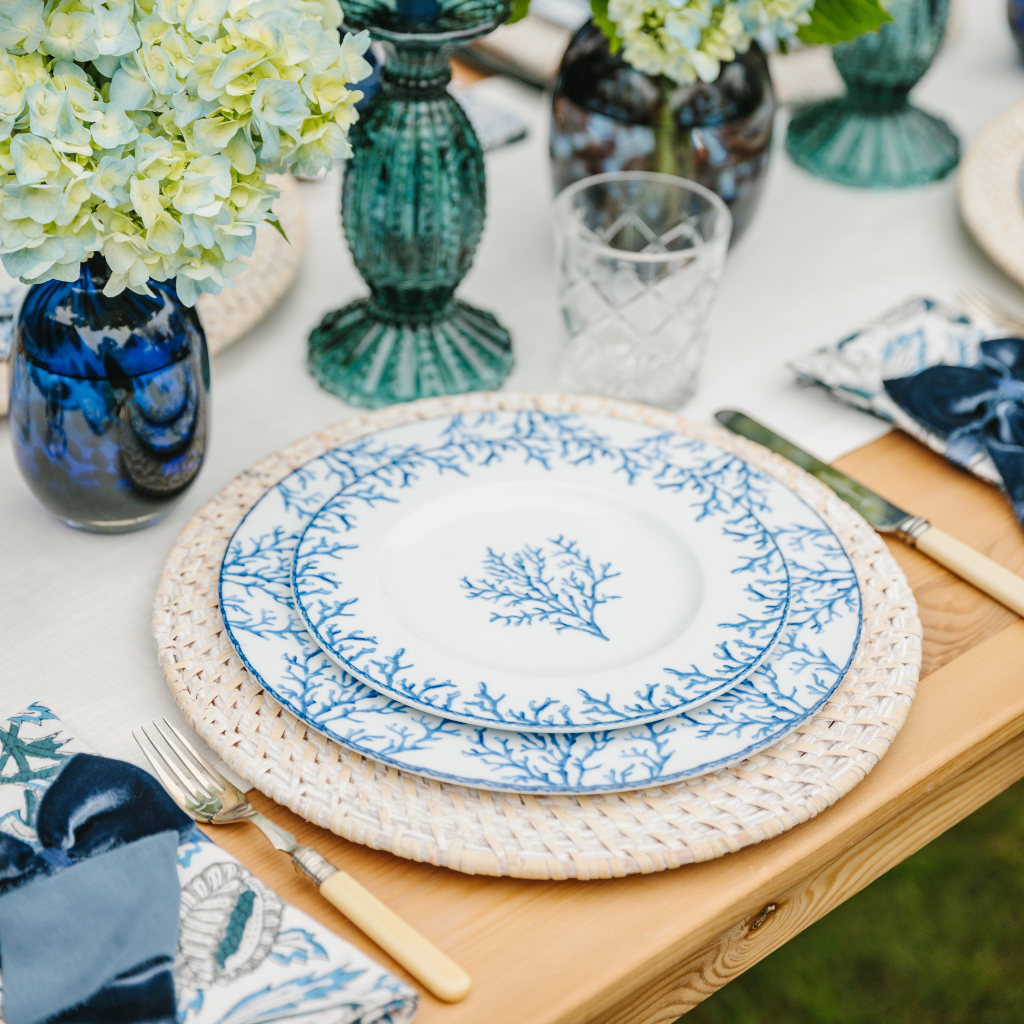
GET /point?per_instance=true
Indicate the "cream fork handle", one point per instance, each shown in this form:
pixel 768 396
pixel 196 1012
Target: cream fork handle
pixel 423 960
pixel 988 576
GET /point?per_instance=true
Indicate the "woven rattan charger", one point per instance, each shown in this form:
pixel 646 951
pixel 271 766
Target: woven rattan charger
pixel 233 312
pixel 989 186
pixel 535 837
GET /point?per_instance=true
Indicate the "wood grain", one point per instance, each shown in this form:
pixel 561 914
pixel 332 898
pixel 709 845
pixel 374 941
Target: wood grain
pixel 784 917
pixel 956 617
pixel 1000 583
pixel 636 949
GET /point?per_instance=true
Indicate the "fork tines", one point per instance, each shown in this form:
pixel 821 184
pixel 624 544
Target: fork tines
pixel 202 783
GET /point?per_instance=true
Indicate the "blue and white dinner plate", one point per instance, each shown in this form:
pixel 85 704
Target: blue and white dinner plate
pixel 538 580
pixel 806 666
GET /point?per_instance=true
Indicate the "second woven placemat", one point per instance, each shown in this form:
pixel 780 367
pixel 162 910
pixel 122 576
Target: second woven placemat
pixel 989 187
pixel 533 836
pixel 233 312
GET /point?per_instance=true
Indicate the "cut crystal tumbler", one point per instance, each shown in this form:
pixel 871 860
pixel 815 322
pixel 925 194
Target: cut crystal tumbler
pixel 640 256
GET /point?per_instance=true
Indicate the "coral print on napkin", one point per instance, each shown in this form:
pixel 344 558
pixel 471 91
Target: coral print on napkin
pixel 243 955
pixel 917 335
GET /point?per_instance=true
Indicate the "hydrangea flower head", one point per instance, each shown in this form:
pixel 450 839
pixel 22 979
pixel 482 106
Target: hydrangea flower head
pixel 687 40
pixel 145 129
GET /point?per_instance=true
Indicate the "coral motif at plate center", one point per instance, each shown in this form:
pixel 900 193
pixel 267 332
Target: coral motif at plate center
pixel 560 587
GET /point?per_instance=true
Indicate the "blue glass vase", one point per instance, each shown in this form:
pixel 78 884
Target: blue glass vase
pixel 108 410
pixel 413 208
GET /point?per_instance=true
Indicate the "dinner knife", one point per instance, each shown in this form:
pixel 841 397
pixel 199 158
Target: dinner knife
pixel 970 565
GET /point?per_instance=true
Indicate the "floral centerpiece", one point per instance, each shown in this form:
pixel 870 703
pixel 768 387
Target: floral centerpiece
pixel 683 87
pixel 144 130
pixel 687 40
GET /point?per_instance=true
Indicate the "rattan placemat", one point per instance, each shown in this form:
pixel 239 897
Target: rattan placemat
pixel 989 188
pixel 529 836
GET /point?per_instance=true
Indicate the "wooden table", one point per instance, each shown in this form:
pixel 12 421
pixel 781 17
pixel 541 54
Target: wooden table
pixel 648 948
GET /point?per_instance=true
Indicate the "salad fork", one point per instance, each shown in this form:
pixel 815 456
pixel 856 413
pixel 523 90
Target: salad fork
pixel 206 796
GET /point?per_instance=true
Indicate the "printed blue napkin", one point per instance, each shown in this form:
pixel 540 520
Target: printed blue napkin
pixel 919 334
pixel 211 943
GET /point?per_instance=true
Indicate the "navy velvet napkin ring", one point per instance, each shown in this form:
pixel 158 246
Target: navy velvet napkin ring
pixel 89 922
pixel 974 408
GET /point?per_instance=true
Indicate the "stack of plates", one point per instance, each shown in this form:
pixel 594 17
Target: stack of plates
pixel 541 602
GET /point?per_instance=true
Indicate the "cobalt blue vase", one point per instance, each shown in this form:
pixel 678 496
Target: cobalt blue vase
pixel 108 408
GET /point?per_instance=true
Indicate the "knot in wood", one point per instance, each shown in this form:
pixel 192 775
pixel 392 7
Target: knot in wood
pixel 762 916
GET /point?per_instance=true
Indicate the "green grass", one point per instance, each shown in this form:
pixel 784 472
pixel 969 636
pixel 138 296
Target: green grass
pixel 937 940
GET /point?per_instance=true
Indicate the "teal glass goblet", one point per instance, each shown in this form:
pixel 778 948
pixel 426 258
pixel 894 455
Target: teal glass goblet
pixel 873 136
pixel 413 206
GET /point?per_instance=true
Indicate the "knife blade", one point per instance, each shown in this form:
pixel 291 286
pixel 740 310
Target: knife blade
pixel 977 569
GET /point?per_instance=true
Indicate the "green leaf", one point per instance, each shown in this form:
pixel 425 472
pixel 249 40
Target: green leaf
pixel 276 225
pixel 520 8
pixel 839 21
pixel 599 8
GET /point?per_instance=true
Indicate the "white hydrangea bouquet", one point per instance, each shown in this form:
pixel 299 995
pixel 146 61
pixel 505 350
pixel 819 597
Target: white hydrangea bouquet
pixel 144 130
pixel 687 40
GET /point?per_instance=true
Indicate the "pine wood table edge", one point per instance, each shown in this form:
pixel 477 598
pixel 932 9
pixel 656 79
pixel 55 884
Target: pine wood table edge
pixel 753 938
pixel 645 949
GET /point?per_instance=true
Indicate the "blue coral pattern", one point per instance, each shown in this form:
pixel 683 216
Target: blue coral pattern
pixel 244 955
pixel 560 586
pixel 808 662
pixel 550 441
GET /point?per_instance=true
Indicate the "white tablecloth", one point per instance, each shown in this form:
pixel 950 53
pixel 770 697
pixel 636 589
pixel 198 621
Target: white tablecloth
pixel 818 261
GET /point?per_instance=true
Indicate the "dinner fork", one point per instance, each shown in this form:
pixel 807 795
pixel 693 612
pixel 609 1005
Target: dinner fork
pixel 980 304
pixel 205 795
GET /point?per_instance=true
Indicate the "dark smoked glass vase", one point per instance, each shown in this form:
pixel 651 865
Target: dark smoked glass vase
pixel 413 205
pixel 108 411
pixel 608 116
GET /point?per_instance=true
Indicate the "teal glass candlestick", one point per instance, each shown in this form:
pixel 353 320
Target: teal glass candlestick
pixel 413 205
pixel 873 136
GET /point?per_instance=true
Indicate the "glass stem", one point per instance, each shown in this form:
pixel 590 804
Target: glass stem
pixel 417 8
pixel 665 130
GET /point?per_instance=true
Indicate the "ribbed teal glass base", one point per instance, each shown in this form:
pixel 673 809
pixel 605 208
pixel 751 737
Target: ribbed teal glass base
pixel 371 361
pixel 413 207
pixel 872 149
pixel 873 137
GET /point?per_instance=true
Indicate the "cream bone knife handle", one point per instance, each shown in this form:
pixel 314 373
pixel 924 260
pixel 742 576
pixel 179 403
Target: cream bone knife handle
pixel 989 577
pixel 421 958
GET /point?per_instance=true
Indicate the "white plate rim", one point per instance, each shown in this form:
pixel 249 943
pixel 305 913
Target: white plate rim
pixel 694 770
pixel 450 713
